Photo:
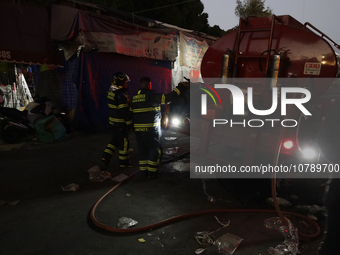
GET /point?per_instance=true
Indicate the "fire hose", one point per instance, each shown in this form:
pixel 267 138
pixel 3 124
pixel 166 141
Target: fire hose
pixel 200 213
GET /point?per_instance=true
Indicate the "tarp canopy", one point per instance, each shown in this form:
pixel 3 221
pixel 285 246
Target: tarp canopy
pixel 93 79
pixel 26 35
pixel 67 22
pixel 79 29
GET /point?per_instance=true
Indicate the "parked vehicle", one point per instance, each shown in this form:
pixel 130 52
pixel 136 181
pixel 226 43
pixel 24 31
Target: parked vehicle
pixel 268 48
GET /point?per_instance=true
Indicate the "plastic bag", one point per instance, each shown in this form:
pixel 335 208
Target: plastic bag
pixel 280 201
pixel 125 223
pixel 228 243
pixel 70 187
pixel 50 129
pixel 290 233
pixel 96 175
pixel 119 178
pixel 311 209
pixel 204 239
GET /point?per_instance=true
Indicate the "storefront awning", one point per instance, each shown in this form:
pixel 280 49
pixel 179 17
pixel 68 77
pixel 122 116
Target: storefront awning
pixel 26 35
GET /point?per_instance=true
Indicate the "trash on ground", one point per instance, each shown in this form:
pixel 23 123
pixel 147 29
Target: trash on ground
pixel 50 129
pixel 170 138
pixel 280 201
pixel 228 243
pixel 9 147
pixel 70 187
pixel 294 197
pixel 94 169
pixel 159 240
pixel 290 233
pixel 13 203
pixel 125 223
pixel 311 216
pixel 119 178
pixel 210 198
pixel 204 239
pixel 223 223
pixel 149 234
pixel 199 250
pixel 170 151
pixel 141 240
pixel 96 175
pixel 128 195
pixel 311 209
pixel 180 166
pixel 130 150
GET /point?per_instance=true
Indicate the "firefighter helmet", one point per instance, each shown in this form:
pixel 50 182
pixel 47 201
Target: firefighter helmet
pixel 119 79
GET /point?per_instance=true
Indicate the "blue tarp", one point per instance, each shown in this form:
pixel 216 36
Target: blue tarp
pixel 93 76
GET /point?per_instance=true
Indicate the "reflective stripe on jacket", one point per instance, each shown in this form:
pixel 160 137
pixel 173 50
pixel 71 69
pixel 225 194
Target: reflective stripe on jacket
pixel 120 114
pixel 146 108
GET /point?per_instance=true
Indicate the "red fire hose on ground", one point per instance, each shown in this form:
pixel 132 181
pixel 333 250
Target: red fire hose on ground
pixel 199 213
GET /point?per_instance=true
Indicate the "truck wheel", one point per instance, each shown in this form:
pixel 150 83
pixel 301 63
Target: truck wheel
pixel 11 134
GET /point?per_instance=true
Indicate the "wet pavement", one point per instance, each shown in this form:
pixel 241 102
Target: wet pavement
pixel 48 220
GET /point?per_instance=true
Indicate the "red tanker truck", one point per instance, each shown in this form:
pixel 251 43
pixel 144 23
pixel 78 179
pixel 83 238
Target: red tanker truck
pixel 266 54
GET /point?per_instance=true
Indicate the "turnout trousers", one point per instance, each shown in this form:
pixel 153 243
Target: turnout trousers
pixel 119 142
pixel 149 148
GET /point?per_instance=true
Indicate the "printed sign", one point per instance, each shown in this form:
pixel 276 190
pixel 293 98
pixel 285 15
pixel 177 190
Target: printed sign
pixel 312 68
pixel 148 45
pixel 5 54
pixel 192 51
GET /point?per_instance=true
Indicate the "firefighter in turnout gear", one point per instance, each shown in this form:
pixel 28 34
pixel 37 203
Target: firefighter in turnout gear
pixel 147 124
pixel 120 121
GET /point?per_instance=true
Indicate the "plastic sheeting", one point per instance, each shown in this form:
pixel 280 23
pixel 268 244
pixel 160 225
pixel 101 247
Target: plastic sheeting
pixel 93 77
pixel 105 33
pixel 10 97
pixel 188 60
pixel 50 129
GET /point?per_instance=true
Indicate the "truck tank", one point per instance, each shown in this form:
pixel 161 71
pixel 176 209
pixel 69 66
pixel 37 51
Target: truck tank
pixel 254 49
pixel 268 47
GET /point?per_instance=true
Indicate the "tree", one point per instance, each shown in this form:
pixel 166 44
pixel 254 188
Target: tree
pixel 183 13
pixel 245 8
pixel 186 14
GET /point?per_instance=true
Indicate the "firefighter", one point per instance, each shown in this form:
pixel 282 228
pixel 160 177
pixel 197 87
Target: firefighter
pixel 147 123
pixel 120 121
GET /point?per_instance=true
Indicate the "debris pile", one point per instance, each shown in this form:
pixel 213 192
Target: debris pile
pixel 280 201
pixel 226 244
pixel 96 175
pixel 290 233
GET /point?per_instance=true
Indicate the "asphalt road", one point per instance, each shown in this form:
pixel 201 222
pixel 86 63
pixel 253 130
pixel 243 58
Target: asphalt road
pixel 48 220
